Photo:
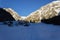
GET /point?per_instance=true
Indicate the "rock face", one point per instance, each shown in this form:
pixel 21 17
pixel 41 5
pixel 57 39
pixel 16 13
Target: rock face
pixel 7 14
pixel 49 11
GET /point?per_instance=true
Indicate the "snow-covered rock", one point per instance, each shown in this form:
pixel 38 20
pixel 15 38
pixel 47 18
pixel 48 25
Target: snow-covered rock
pixel 45 12
pixel 13 13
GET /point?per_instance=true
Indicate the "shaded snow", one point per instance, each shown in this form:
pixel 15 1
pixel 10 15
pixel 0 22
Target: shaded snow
pixel 35 31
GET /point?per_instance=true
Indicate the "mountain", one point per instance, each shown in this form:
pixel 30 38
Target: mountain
pixel 13 13
pixel 9 17
pixel 48 11
pixel 7 14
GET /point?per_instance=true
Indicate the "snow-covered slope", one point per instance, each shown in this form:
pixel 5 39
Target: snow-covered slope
pixel 13 13
pixel 39 31
pixel 45 12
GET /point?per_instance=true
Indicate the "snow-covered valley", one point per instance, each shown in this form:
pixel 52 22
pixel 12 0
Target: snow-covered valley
pixel 35 31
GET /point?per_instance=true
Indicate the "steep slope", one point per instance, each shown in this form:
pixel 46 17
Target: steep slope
pixel 13 13
pixel 45 12
pixel 33 17
pixel 5 16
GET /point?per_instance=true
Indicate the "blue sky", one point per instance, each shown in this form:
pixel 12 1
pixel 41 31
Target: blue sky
pixel 24 7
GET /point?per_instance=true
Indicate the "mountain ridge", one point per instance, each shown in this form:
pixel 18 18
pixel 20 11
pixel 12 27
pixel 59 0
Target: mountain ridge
pixel 47 11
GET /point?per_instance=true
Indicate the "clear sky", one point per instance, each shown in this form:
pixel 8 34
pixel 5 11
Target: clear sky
pixel 24 7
